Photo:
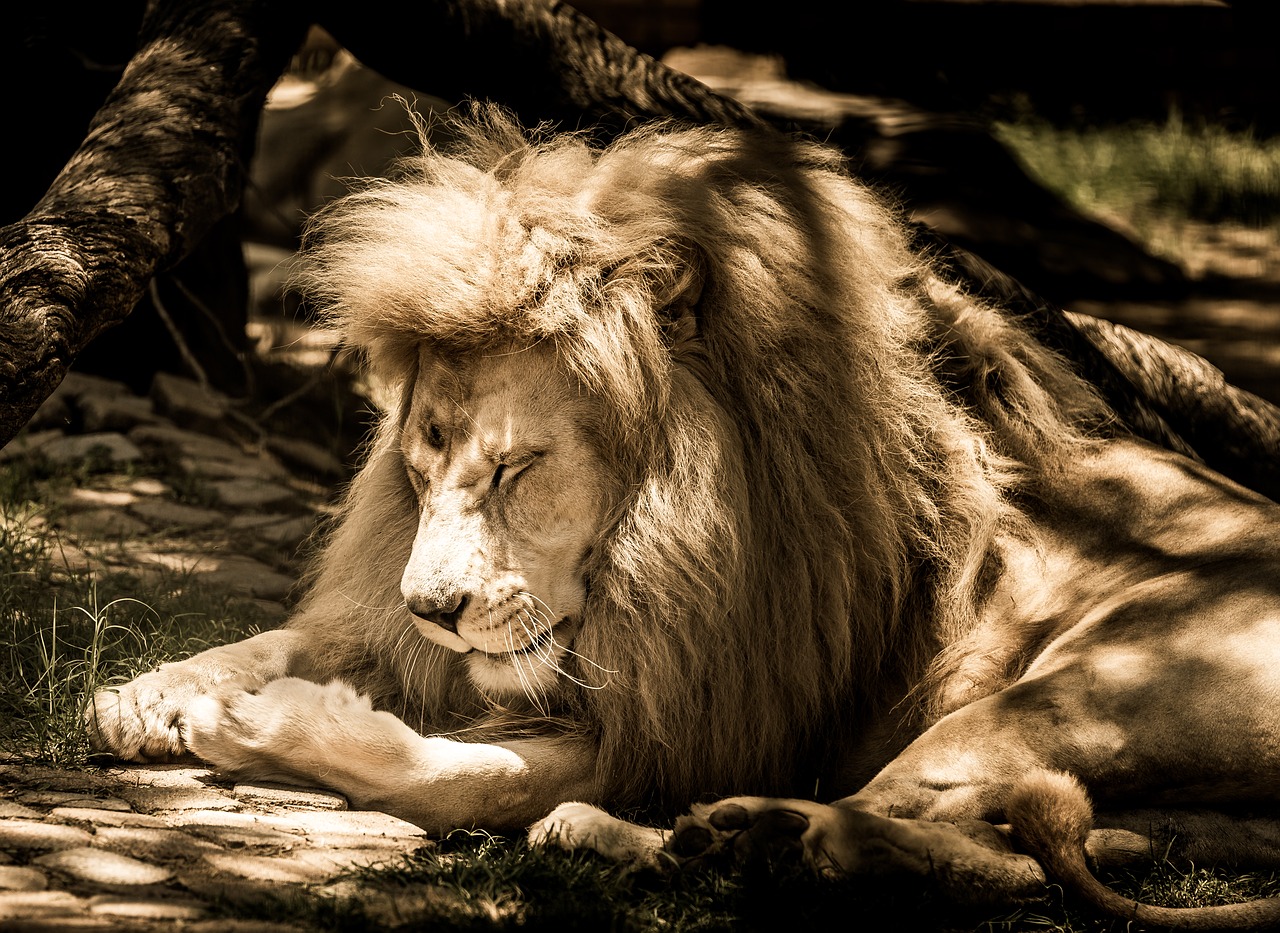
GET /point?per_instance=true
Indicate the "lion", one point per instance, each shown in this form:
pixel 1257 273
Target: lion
pixel 693 479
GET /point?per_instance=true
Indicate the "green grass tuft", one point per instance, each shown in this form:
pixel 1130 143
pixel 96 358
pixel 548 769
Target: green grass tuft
pixel 64 634
pixel 1203 172
pixel 1202 196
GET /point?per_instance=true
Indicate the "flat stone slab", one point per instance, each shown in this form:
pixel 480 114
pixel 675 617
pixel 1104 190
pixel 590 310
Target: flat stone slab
pixel 138 909
pixel 306 455
pixel 24 445
pixel 242 576
pixel 290 796
pixel 115 413
pixel 63 798
pixel 147 843
pixel 112 446
pixel 178 798
pixel 186 443
pixel 29 834
pixel 21 904
pixel 97 498
pixel 236 830
pixel 97 817
pixel 17 878
pixel 289 533
pixel 275 868
pixel 163 513
pixel 102 866
pixel 148 486
pixel 10 810
pixel 249 493
pixel 103 523
pixel 77 385
pixel 368 825
pixel 174 787
pixel 188 403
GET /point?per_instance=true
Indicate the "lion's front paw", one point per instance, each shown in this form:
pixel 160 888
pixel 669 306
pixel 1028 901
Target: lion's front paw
pixel 749 829
pixel 286 730
pixel 581 826
pixel 142 720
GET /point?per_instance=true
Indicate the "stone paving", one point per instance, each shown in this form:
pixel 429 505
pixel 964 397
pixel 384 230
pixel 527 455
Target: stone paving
pixel 166 847
pixel 233 503
pixel 153 848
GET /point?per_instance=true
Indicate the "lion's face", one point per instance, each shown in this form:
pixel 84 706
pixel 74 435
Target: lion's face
pixel 511 496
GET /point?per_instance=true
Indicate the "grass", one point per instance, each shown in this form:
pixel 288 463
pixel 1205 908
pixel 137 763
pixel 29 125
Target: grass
pixel 480 882
pixel 1155 179
pixel 64 634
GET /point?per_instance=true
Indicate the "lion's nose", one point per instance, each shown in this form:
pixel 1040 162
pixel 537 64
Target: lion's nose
pixel 442 614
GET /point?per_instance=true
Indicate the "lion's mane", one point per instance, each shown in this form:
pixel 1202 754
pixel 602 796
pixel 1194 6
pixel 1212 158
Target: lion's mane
pixel 819 433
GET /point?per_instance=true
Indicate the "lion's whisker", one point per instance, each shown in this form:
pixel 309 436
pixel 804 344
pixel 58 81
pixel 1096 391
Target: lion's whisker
pixel 582 657
pixel 548 654
pixel 394 608
pixel 528 679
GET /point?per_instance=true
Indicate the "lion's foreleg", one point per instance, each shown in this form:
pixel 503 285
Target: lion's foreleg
pixel 144 719
pixel 327 734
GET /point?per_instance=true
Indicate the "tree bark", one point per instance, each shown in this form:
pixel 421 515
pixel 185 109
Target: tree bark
pixel 544 60
pixel 159 166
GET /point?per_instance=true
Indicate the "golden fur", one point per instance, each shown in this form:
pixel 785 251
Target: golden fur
pixel 832 517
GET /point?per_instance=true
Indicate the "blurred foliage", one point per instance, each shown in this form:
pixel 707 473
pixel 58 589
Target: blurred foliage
pixel 1203 172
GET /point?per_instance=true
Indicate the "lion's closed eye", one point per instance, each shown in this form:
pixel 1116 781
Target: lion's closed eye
pixel 508 470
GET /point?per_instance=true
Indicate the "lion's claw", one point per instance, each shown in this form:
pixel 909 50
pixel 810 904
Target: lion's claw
pixel 690 841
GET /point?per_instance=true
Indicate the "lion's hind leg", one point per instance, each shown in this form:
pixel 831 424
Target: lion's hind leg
pixel 968 862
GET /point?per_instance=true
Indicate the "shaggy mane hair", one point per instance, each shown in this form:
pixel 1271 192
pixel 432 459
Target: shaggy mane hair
pixel 820 436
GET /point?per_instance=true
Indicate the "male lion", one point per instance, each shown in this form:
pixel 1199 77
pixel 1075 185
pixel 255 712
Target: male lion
pixel 695 480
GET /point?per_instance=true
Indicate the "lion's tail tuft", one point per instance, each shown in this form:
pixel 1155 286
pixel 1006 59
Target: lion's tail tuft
pixel 1051 816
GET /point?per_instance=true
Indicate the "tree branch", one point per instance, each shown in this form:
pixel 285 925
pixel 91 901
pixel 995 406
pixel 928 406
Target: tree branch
pixel 160 164
pixel 543 59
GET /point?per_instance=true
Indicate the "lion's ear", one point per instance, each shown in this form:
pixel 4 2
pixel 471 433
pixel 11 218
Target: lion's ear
pixel 679 317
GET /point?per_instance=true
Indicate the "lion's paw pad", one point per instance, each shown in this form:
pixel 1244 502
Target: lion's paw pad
pixel 731 831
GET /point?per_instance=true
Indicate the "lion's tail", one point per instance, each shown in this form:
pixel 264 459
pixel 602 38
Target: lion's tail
pixel 1051 815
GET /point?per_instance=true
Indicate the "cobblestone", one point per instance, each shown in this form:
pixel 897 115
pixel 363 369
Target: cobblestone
pixel 166 847
pixel 134 829
pixel 101 866
pixel 13 878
